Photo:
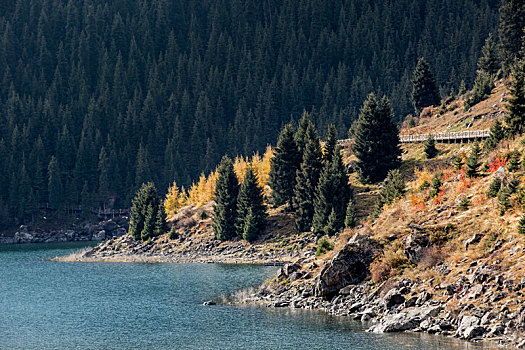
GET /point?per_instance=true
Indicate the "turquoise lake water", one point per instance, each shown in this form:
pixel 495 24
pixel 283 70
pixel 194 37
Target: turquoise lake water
pixel 54 305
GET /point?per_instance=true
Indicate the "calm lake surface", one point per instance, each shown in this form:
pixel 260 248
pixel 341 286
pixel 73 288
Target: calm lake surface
pixel 55 305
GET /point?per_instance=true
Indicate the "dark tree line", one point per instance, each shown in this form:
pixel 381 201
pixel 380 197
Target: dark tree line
pixel 99 97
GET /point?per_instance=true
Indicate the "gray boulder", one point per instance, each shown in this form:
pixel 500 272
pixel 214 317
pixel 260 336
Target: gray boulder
pixel 415 244
pixel 350 266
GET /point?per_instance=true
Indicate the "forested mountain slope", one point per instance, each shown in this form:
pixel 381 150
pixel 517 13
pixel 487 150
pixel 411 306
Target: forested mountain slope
pixel 98 97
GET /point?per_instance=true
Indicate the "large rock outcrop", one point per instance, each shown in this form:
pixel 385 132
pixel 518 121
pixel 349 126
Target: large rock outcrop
pixel 350 266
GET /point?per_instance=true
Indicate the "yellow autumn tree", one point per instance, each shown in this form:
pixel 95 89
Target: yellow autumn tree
pixel 240 166
pixel 175 199
pixel 203 191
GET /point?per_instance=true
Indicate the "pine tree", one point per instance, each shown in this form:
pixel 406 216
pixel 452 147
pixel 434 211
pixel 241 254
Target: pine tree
pixel 495 186
pixel 149 223
pixel 458 162
pixel 512 22
pixel 496 135
pixel 332 194
pixel 283 168
pixel 462 88
pixel 351 215
pixel 424 89
pixel 376 140
pixel 55 188
pixel 144 217
pixel 514 161
pixel 300 135
pixel 483 86
pixel 515 119
pixel 250 230
pixel 473 163
pixel 489 61
pixel 330 144
pixel 430 147
pixel 332 226
pixel 85 200
pixel 250 200
pixel 307 179
pixel 521 226
pixel 160 221
pixel 226 192
pixel 103 179
pixel 393 188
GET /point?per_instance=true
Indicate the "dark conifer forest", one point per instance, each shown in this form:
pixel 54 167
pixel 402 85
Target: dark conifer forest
pixel 99 97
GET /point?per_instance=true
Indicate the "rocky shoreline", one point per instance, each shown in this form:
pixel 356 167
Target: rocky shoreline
pixel 483 312
pixel 98 231
pixel 162 250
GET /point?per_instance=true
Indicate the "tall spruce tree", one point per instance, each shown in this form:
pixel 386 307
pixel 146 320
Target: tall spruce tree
pixel 393 188
pixel 376 143
pixel 473 162
pixel 283 167
pixel 424 89
pixel 515 119
pixel 489 61
pixel 300 135
pixel 307 180
pixel 496 135
pixel 512 22
pixel 55 189
pixel 251 211
pixel 430 147
pixel 332 195
pixel 330 144
pixel 147 219
pixel 226 192
pixel 351 215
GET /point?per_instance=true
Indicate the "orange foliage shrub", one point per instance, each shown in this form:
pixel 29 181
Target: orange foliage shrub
pixel 417 201
pixel 497 162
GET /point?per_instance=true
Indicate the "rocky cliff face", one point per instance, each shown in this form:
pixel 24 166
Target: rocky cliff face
pixel 85 232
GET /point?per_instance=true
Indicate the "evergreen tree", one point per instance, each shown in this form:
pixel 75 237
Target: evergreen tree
pixel 85 200
pixel 489 62
pixel 376 140
pixel 458 162
pixel 144 217
pixel 515 119
pixel 351 215
pixel 160 221
pixel 483 86
pixel 473 163
pixel 521 226
pixel 250 202
pixel 332 195
pixel 512 22
pixel 424 89
pixel 514 161
pixel 103 179
pixel 430 147
pixel 55 188
pixel 250 230
pixel 300 135
pixel 495 186
pixel 149 223
pixel 307 179
pixel 496 135
pixel 226 192
pixel 330 144
pixel 283 168
pixel 393 188
pixel 332 226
